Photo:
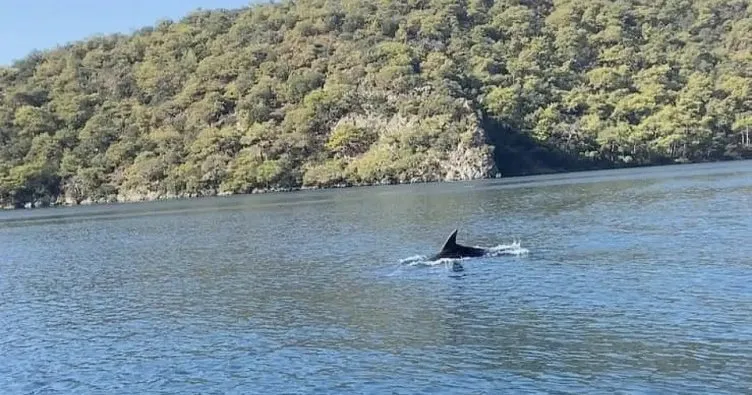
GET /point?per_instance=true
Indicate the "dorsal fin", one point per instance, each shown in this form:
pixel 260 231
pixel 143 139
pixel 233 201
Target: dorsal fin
pixel 451 242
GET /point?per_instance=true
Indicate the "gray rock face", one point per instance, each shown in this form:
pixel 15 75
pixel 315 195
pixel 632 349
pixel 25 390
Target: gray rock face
pixel 470 163
pixel 471 160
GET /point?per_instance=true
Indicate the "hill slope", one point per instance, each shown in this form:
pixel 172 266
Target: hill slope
pixel 321 93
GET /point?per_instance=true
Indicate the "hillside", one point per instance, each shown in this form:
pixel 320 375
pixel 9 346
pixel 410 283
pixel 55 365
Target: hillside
pixel 322 93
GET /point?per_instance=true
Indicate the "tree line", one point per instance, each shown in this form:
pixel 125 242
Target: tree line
pixel 317 93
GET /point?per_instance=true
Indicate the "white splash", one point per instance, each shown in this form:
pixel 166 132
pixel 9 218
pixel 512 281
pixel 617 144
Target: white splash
pixel 514 249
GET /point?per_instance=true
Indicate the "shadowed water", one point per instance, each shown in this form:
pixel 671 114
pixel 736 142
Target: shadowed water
pixel 633 280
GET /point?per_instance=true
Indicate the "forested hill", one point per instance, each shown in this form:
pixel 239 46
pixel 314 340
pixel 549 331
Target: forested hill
pixel 323 93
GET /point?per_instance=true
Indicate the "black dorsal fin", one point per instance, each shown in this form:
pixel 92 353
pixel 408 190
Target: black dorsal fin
pixel 451 242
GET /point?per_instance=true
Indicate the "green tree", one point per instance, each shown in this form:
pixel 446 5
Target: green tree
pixel 325 93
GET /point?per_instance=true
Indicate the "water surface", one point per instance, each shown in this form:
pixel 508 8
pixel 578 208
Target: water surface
pixel 635 281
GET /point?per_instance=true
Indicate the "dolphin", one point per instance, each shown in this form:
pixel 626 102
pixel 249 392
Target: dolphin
pixel 453 250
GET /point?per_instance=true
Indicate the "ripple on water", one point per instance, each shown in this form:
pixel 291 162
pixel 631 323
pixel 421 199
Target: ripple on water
pixel 634 282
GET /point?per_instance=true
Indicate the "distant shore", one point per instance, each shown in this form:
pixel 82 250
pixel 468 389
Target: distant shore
pixel 153 197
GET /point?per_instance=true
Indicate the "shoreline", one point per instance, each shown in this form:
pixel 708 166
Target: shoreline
pixel 117 200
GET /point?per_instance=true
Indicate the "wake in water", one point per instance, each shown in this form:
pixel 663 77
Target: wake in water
pixel 514 249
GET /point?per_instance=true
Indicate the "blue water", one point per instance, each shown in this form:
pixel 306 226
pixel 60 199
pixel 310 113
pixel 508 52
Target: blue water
pixel 634 281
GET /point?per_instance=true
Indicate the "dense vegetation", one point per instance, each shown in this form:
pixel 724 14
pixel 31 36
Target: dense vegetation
pixel 321 93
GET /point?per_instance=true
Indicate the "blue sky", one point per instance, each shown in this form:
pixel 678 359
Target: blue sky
pixel 26 25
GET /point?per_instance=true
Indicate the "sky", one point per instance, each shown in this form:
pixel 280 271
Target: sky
pixel 26 25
